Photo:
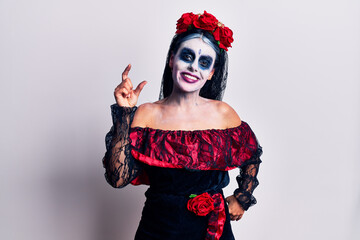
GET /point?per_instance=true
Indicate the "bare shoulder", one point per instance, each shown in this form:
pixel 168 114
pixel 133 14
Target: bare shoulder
pixel 228 114
pixel 144 114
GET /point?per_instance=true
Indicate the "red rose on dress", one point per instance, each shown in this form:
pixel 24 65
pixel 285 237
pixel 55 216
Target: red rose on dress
pixel 206 21
pixel 201 205
pixel 185 21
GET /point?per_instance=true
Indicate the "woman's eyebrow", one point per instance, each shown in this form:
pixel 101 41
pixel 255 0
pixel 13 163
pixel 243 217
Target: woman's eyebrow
pixel 207 57
pixel 188 50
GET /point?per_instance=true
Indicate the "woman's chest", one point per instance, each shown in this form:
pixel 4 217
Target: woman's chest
pixel 188 121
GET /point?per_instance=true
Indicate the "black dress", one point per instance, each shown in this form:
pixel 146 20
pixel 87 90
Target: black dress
pixel 179 165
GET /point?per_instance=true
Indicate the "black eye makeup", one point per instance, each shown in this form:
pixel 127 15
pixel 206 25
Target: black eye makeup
pixel 187 55
pixel 205 62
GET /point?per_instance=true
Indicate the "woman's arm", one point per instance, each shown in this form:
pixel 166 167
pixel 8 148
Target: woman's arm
pixel 243 198
pixel 247 180
pixel 120 167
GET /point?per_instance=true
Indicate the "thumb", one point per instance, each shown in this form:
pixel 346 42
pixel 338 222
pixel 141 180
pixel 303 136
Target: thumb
pixel 139 88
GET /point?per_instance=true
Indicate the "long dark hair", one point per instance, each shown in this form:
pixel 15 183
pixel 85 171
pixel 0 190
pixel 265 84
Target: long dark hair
pixel 213 89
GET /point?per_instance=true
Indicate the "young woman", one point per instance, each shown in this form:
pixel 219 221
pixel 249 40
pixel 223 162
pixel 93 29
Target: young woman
pixel 184 144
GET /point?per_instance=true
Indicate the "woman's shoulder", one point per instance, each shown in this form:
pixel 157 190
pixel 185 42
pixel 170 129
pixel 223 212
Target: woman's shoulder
pixel 224 113
pixel 228 114
pixel 144 114
pixel 222 106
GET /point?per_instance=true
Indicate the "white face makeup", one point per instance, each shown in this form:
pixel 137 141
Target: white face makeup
pixel 192 65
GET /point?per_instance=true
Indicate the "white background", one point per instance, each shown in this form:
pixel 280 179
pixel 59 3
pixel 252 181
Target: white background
pixel 293 76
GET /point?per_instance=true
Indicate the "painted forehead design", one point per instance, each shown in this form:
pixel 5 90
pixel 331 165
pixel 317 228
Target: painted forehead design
pixel 187 50
pixel 199 46
pixel 202 37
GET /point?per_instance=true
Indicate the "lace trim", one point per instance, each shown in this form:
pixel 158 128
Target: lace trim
pixel 247 181
pixel 121 167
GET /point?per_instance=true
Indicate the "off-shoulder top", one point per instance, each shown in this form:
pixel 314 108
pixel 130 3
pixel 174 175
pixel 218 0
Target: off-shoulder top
pixel 128 149
pixel 212 149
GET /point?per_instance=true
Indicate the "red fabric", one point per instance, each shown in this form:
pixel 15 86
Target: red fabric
pixel 217 213
pixel 201 205
pixel 217 219
pixel 151 161
pixel 214 149
pixel 141 179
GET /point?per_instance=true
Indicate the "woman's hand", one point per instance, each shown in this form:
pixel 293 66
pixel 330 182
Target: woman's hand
pixel 124 94
pixel 235 209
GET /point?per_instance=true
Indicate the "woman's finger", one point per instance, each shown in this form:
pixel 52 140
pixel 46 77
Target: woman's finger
pixel 126 72
pixel 122 86
pixel 124 92
pixel 128 84
pixel 139 88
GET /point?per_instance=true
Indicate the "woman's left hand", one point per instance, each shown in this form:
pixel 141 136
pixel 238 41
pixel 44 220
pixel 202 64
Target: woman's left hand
pixel 235 209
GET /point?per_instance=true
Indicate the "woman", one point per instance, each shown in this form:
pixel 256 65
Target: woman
pixel 183 144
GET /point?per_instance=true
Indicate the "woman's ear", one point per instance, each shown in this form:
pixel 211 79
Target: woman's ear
pixel 211 74
pixel 171 61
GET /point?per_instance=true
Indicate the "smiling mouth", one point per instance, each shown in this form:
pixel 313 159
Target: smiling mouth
pixel 189 78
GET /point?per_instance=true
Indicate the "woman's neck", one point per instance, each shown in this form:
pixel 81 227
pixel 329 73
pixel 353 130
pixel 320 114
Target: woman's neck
pixel 184 100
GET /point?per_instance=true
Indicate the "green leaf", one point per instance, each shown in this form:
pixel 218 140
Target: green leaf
pixel 192 195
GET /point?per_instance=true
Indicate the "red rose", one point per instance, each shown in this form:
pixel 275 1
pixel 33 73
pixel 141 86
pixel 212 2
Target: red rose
pixel 201 205
pixel 206 21
pixel 216 34
pixel 185 21
pixel 226 36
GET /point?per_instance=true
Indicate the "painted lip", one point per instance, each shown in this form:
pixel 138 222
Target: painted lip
pixel 187 79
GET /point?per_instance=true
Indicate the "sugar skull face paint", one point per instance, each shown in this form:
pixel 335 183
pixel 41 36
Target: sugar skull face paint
pixel 192 65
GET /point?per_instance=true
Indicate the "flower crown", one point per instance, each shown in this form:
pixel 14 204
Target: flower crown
pixel 206 21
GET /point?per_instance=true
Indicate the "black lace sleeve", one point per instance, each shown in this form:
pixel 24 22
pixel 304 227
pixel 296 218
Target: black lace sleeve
pixel 121 167
pixel 248 181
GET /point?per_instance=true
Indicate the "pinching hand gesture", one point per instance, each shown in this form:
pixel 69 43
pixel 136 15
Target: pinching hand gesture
pixel 124 94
